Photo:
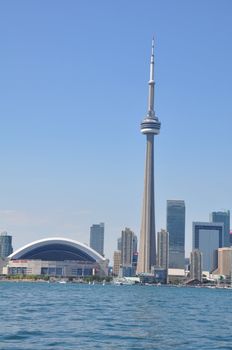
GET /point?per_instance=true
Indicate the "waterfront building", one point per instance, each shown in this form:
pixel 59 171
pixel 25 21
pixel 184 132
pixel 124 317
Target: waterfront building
pixel 117 262
pixel 224 261
pixel 223 217
pixel 5 245
pixel 176 230
pixel 163 249
pixel 196 265
pixel 97 237
pixel 150 127
pixel 208 237
pixel 176 276
pixel 57 257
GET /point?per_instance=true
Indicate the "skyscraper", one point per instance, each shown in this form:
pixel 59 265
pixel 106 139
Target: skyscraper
pixel 196 265
pixel 224 217
pixel 163 249
pixel 127 247
pixel 208 237
pixel 5 245
pixel 97 237
pixel 150 126
pixel 117 262
pixel 176 230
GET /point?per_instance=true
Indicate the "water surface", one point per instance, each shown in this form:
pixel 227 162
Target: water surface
pixel 73 316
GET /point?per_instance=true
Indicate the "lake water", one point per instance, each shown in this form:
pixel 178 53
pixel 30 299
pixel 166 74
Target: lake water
pixel 45 316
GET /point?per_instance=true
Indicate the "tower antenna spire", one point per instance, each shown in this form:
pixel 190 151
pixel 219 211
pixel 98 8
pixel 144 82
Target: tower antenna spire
pixel 151 83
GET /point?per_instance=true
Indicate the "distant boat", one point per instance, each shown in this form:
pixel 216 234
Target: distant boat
pixel 62 282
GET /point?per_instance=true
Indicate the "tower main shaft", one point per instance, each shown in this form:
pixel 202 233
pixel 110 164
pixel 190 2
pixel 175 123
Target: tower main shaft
pixel 150 126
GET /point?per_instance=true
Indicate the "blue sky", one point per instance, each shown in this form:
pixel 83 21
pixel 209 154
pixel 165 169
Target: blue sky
pixel 73 91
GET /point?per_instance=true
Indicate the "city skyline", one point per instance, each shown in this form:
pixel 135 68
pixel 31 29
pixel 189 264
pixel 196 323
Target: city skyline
pixel 56 178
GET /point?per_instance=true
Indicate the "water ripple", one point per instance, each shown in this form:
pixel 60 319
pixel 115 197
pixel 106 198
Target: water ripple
pixel 52 316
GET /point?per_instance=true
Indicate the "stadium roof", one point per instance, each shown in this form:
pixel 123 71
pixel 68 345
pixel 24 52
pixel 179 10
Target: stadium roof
pixel 57 249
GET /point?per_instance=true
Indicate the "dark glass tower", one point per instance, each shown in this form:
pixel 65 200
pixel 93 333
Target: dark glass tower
pixel 176 230
pixel 223 217
pixel 5 245
pixel 97 237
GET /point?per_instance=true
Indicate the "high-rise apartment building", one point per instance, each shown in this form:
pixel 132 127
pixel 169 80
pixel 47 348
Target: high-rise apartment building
pixel 208 237
pixel 176 230
pixel 196 265
pixel 128 253
pixel 97 237
pixel 163 249
pixel 117 262
pixel 223 217
pixel 150 127
pixel 5 245
pixel 127 247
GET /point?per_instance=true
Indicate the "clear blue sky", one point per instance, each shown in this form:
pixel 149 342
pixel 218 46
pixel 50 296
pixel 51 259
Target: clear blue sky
pixel 73 90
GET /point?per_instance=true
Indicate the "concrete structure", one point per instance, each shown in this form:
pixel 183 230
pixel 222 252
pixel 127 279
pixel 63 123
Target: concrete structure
pixel 57 257
pixel 223 217
pixel 176 230
pixel 117 262
pixel 150 126
pixel 97 237
pixel 5 245
pixel 208 237
pixel 224 262
pixel 163 249
pixel 196 265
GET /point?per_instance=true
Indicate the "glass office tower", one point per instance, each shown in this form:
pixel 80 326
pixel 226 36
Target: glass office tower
pixel 223 217
pixel 97 237
pixel 208 237
pixel 5 245
pixel 176 230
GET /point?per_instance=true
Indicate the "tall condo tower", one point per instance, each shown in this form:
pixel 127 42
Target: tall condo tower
pixel 150 126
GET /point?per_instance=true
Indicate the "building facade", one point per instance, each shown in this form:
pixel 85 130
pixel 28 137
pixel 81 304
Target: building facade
pixel 196 265
pixel 223 217
pixel 5 245
pixel 97 237
pixel 119 243
pixel 163 249
pixel 128 253
pixel 176 230
pixel 150 127
pixel 224 261
pixel 208 237
pixel 117 262
pixel 127 247
pixel 57 257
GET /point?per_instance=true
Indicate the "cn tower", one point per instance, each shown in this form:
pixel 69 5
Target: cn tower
pixel 150 127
